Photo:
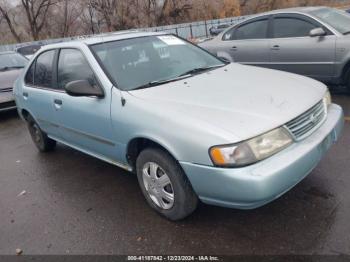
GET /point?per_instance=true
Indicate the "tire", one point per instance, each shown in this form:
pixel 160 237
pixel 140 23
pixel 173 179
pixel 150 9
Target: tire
pixel 347 79
pixel 159 191
pixel 39 137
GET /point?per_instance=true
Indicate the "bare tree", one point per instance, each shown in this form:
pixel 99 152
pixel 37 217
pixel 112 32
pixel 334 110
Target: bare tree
pixel 36 12
pixel 5 14
pixel 91 15
pixel 107 9
pixel 65 19
pixel 230 8
pixel 26 20
pixel 172 11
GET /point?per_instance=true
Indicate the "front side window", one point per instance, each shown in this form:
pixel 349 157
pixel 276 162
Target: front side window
pixel 291 27
pixel 254 30
pixel 133 63
pixel 72 66
pixel 44 69
pixel 339 20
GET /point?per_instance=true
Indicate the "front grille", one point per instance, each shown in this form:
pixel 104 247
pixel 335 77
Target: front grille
pixel 4 90
pixel 308 122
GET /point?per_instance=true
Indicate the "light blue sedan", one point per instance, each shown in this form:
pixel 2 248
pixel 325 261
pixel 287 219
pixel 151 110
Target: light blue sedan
pixel 189 125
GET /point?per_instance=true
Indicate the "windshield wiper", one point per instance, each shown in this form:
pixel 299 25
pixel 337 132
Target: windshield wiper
pixel 346 33
pixel 6 68
pixel 189 73
pixel 161 82
pixel 200 69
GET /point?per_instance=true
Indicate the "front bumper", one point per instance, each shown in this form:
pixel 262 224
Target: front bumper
pixel 7 101
pixel 256 185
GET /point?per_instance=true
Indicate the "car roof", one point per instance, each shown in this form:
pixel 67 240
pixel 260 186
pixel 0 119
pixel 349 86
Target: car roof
pixel 306 10
pixel 96 39
pixel 303 10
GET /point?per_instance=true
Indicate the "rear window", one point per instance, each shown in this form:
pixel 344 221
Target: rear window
pixel 28 50
pixel 254 30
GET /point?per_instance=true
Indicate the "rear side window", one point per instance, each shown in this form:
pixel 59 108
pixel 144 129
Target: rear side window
pixel 254 30
pixel 44 69
pixel 29 78
pixel 73 66
pixel 291 27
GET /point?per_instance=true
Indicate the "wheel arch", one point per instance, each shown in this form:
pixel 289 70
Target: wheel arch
pixel 345 71
pixel 25 114
pixel 137 144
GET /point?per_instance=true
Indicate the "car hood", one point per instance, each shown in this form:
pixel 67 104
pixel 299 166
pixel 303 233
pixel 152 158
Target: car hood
pixel 7 78
pixel 243 100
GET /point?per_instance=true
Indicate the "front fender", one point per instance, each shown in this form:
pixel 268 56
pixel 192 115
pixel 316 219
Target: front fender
pixel 185 138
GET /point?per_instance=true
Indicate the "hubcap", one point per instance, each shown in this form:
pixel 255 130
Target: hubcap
pixel 158 185
pixel 36 133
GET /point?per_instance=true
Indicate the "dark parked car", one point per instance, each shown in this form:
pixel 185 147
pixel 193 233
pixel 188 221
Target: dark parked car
pixel 11 65
pixel 29 50
pixel 215 30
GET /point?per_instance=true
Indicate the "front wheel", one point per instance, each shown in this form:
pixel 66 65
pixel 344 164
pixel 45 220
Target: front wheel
pixel 40 138
pixel 164 184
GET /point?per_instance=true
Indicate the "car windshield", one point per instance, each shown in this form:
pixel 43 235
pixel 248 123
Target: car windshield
pixel 148 61
pixel 339 20
pixel 12 61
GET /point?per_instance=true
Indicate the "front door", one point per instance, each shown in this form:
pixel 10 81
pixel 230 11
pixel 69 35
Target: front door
pixel 294 50
pixel 84 122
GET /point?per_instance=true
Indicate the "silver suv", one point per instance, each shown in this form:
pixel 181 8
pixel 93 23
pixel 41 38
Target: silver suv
pixel 311 41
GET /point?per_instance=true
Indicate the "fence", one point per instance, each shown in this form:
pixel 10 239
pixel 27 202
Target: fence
pixel 187 30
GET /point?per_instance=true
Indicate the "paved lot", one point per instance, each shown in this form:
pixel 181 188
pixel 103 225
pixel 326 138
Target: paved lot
pixel 75 204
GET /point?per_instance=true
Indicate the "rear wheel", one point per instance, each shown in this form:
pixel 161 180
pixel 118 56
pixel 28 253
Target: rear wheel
pixel 164 184
pixel 347 79
pixel 39 137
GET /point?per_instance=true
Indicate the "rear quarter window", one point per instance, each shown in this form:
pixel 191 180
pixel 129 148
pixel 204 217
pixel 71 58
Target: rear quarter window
pixel 44 69
pixel 29 77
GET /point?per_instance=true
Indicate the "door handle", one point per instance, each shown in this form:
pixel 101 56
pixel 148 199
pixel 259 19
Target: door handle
pixel 58 102
pixel 25 94
pixel 234 48
pixel 275 47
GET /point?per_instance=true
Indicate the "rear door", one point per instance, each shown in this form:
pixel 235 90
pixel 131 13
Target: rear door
pixel 249 42
pixel 293 50
pixel 38 92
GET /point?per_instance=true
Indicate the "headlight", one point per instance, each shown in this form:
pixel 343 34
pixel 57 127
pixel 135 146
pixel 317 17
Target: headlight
pixel 327 99
pixel 251 151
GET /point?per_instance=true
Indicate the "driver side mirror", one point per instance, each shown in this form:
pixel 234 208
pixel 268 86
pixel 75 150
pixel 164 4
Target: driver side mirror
pixel 317 32
pixel 83 88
